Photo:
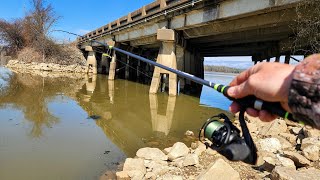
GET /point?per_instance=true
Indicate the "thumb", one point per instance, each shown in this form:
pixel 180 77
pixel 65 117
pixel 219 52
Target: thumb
pixel 239 91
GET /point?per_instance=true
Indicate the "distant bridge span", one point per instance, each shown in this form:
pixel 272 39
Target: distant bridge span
pixel 202 28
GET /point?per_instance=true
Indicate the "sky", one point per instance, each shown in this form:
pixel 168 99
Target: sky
pixel 76 16
pixel 82 17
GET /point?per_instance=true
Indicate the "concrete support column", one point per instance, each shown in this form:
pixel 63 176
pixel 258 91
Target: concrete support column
pixel 166 57
pixel 287 59
pixel 180 56
pixel 127 69
pixel 113 64
pixel 104 65
pixel 91 60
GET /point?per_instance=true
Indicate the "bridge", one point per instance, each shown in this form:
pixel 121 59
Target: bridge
pixel 180 33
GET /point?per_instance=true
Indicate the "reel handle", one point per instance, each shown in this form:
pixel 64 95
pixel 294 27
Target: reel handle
pixel 253 102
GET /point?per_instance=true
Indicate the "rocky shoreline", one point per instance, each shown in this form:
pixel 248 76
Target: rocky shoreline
pixel 286 151
pixel 46 67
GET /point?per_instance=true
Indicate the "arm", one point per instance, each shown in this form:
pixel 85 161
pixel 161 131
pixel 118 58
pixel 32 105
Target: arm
pixel 296 88
pixel 304 94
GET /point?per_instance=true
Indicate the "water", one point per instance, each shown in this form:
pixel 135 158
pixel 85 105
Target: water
pixel 71 128
pixel 211 97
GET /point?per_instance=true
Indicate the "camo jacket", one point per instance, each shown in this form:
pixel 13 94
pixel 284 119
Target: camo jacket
pixel 304 93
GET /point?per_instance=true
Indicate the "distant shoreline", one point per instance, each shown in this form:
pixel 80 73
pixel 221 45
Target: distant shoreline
pixel 223 69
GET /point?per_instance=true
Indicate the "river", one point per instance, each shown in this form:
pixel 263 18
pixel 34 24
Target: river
pixel 70 128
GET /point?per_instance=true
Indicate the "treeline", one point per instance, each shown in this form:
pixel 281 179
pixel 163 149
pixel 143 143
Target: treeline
pixel 222 69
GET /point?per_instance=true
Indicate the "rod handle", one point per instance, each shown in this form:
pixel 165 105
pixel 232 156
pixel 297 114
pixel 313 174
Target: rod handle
pixel 253 102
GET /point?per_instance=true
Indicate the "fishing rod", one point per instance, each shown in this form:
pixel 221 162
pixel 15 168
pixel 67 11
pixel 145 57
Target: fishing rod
pixel 249 101
pixel 223 137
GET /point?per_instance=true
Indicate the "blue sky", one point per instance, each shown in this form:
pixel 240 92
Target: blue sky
pixel 76 16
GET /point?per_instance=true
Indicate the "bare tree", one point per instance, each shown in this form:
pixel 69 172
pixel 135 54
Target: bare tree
pixel 38 22
pixel 307 27
pixel 11 34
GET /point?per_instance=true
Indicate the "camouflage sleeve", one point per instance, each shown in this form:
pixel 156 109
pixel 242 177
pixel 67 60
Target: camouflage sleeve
pixel 304 94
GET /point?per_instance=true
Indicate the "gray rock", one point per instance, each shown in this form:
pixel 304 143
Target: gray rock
pixel 151 154
pixel 122 175
pixel 290 137
pixel 297 158
pixel 178 162
pixel 310 141
pixel 285 173
pixel 211 152
pixel 179 149
pixel 159 171
pixel 269 163
pixel 190 160
pixel 171 177
pixel 189 133
pixel 194 145
pixel 151 175
pixel 286 162
pixel 270 145
pixel 311 132
pixel 285 144
pixel 274 128
pixel 134 165
pixel 167 150
pixel 136 175
pixel 156 164
pixel 200 149
pixel 311 152
pixel 219 170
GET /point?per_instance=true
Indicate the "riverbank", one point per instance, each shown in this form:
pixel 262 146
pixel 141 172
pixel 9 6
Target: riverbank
pixel 286 150
pixel 49 67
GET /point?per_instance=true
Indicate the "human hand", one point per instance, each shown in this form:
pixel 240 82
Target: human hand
pixel 267 81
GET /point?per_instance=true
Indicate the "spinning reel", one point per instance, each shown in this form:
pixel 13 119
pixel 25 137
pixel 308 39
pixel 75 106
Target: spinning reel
pixel 225 138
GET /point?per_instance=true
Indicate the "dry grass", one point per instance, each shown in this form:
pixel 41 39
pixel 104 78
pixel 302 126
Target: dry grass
pixel 64 55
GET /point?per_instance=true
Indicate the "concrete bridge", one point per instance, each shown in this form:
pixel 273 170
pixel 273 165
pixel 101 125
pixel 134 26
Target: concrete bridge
pixel 180 33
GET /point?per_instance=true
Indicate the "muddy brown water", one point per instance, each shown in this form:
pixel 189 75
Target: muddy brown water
pixel 65 128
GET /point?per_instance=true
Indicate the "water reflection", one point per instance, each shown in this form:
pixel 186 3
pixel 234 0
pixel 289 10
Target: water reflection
pixel 161 122
pixel 132 118
pixel 31 94
pixel 60 110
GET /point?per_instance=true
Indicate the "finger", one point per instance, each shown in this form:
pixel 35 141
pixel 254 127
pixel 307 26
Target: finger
pixel 252 112
pixel 240 91
pixel 243 76
pixel 234 107
pixel 265 116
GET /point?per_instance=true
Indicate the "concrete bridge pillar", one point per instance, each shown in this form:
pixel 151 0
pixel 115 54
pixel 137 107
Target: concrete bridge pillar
pixel 91 60
pixel 166 57
pixel 104 65
pixel 113 64
pixel 127 69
